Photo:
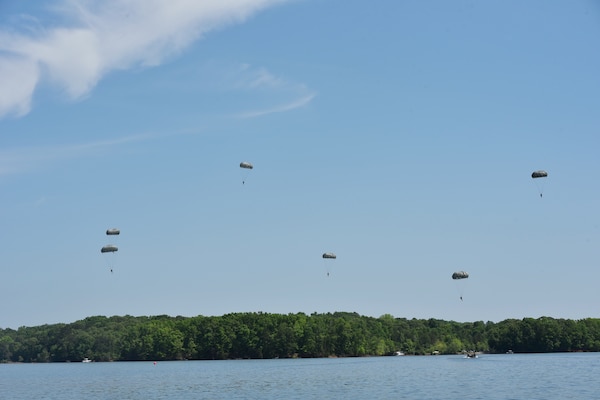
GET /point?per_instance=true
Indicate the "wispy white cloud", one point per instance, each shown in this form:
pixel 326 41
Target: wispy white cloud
pixel 290 95
pixel 252 78
pixel 301 102
pixel 95 37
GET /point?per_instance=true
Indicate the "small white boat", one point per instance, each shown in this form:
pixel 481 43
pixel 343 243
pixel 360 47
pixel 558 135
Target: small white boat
pixel 398 353
pixel 86 360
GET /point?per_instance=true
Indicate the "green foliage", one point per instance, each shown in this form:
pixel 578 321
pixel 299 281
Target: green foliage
pixel 262 335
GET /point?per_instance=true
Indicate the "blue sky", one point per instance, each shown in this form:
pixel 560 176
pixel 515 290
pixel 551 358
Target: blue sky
pixel 399 135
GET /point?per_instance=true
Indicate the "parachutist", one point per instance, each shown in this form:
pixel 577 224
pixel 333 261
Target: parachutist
pixel 111 270
pixel 541 195
pixel 247 166
pixel 329 256
pixel 461 298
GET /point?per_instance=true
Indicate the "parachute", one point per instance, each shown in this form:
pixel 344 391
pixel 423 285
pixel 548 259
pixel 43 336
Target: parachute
pixel 326 257
pixel 246 166
pixel 539 182
pixel 113 231
pixel 109 248
pixel 460 275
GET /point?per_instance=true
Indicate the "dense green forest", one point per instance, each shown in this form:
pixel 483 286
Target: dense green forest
pixel 263 335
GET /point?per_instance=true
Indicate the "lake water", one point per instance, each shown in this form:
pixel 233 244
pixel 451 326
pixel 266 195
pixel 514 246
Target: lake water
pixel 489 377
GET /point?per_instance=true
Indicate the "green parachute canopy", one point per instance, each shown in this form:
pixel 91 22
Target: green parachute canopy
pixel 109 248
pixel 329 255
pixel 539 174
pixel 113 231
pixel 460 275
pixel 246 165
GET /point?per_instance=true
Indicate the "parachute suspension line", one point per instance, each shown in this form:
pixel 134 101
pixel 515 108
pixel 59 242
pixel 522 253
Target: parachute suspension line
pixel 540 188
pixel 539 177
pixel 110 261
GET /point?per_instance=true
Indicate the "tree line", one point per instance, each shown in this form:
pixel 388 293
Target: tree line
pixel 265 335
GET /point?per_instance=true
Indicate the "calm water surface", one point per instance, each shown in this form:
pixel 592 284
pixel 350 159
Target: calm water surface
pixel 516 376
